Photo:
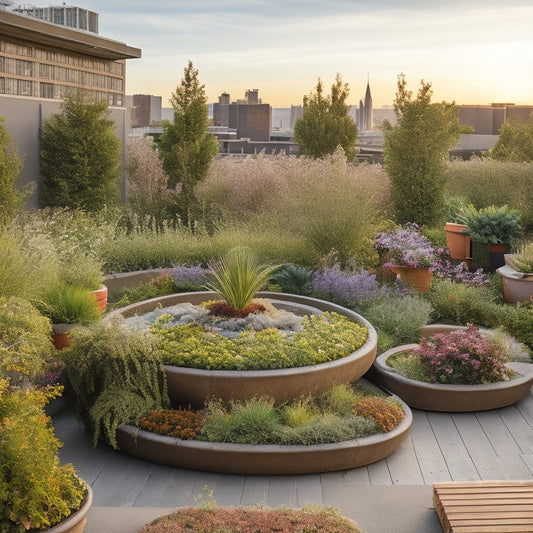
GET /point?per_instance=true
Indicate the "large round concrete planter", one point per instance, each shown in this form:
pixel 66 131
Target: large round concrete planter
pixel 75 523
pixel 268 459
pixel 517 286
pixel 194 386
pixel 451 398
pixel 122 280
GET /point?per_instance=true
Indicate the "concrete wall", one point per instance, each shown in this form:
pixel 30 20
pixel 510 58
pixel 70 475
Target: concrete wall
pixel 23 119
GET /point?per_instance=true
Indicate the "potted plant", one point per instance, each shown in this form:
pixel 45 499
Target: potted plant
pixel 457 233
pixel 84 270
pixel 68 306
pixel 409 254
pixel 493 230
pixel 37 492
pixel 456 369
pixel 517 275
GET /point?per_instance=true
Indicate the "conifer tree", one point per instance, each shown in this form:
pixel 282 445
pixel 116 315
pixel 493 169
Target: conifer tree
pixel 325 123
pixel 516 141
pixel 186 148
pixel 11 198
pixel 80 156
pixel 415 151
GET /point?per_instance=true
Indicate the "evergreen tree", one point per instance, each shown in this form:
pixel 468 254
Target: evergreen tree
pixel 11 198
pixel 186 148
pixel 80 156
pixel 325 123
pixel 516 141
pixel 415 152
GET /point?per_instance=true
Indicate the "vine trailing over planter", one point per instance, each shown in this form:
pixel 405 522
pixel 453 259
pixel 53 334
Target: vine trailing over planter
pixel 116 377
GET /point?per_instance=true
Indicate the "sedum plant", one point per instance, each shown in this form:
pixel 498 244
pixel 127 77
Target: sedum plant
pixel 237 276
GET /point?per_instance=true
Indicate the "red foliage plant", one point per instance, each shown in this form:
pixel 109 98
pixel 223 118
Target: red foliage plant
pixel 220 308
pixel 252 520
pixel 386 413
pixel 181 423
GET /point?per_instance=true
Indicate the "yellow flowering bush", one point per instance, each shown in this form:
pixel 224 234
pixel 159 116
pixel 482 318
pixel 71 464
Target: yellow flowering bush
pixel 324 338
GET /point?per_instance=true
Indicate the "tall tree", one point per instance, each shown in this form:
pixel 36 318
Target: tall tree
pixel 80 156
pixel 11 198
pixel 415 150
pixel 516 141
pixel 186 148
pixel 325 123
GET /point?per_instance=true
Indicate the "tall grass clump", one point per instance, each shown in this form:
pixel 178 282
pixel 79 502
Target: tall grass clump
pixel 485 182
pixel 329 203
pixel 237 276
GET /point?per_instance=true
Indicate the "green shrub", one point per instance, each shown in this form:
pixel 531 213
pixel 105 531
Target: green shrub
pixel 488 182
pixel 251 422
pixel 37 492
pixel 293 278
pixel 81 270
pixel 116 378
pixel 400 317
pixel 25 341
pixel 410 367
pixel 328 428
pixel 298 413
pixel 339 399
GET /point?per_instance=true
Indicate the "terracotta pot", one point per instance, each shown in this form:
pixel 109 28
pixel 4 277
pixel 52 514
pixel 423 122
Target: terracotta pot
pixel 100 295
pixel 419 278
pixel 75 523
pixel 458 243
pixel 61 335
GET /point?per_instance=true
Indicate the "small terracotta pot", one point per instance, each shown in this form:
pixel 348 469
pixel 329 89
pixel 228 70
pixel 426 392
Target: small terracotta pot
pixel 61 335
pixel 100 295
pixel 419 278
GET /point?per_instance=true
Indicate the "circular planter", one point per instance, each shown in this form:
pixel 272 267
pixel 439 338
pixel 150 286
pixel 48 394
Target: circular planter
pixel 262 459
pixel 75 523
pixel 194 386
pixel 517 286
pixel 122 280
pixel 419 278
pixel 452 398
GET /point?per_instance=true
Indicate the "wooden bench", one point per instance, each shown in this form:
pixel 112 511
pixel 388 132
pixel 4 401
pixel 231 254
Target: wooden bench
pixel 484 506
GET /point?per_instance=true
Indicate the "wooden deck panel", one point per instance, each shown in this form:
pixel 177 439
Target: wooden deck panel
pixel 484 506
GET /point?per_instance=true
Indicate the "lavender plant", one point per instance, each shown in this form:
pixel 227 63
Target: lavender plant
pixel 189 278
pixel 407 247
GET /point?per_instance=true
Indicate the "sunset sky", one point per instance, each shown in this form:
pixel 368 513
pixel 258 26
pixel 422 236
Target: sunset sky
pixel 473 52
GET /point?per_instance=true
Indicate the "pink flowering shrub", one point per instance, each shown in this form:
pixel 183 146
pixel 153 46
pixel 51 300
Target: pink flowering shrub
pixel 462 357
pixel 212 519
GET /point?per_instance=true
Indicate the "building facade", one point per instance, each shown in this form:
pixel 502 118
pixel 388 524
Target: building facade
pixel 41 63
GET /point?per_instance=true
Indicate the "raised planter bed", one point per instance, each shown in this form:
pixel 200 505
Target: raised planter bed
pixel 267 459
pixel 451 398
pixel 517 286
pixel 122 280
pixel 194 386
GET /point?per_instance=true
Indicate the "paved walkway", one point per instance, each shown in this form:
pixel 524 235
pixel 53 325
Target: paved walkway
pixel 391 496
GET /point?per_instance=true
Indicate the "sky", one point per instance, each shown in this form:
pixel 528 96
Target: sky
pixel 472 52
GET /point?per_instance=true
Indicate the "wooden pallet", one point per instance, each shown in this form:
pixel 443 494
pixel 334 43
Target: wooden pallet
pixel 484 506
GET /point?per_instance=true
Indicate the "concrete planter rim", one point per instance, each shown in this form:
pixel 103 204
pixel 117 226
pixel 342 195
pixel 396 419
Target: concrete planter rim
pixel 194 385
pixel 453 398
pixel 74 520
pixel 264 459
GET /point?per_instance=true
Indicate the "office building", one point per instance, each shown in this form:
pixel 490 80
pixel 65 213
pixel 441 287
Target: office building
pixel 42 62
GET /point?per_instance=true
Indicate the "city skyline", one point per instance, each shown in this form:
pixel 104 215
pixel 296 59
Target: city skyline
pixel 472 52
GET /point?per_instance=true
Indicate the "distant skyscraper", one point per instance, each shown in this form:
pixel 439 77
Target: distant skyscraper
pixel 368 116
pixel 361 116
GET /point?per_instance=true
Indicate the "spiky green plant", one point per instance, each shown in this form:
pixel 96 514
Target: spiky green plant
pixel 237 276
pixel 293 278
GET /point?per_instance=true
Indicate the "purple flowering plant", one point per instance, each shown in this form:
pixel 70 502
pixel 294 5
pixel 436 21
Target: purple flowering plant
pixel 189 277
pixel 406 247
pixel 445 269
pixel 462 357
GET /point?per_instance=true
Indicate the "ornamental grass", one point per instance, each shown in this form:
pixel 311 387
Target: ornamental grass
pixel 308 519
